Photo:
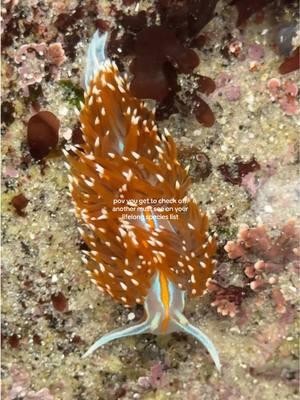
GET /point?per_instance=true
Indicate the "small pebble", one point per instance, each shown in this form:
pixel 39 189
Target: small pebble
pixel 67 134
pixel 131 316
pixel 268 209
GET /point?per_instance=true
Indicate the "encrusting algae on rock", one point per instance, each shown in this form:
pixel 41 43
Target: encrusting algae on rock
pixel 160 251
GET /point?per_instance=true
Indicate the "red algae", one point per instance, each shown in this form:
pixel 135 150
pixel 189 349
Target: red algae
pixel 77 135
pixel 7 112
pixel 203 112
pixel 246 8
pixel 160 52
pixel 60 302
pixel 20 386
pixel 66 20
pixel 31 68
pixel 42 134
pixel 205 84
pixel 14 341
pixel 148 67
pixel 291 63
pixel 235 173
pixel 37 339
pixel 187 18
pixel 20 202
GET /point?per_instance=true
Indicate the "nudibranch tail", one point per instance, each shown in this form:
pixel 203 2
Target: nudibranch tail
pixel 146 326
pixel 138 253
pixel 164 307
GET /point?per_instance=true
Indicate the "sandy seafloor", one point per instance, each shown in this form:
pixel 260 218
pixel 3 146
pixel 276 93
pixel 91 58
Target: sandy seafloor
pixel 42 347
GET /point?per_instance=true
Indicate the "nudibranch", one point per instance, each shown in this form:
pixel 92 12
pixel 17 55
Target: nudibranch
pixel 145 255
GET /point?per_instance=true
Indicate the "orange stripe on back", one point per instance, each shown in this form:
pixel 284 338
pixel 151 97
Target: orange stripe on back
pixel 165 297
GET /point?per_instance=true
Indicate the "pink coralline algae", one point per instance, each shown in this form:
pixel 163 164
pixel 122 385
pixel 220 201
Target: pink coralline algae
pixel 279 300
pixel 254 181
pixel 270 338
pixel 226 299
pixel 31 65
pixel 21 384
pixel 156 380
pixel 224 85
pixel 262 258
pixel 251 183
pixel 232 93
pixel 10 172
pixel 222 79
pixel 32 60
pixel 56 54
pixel 256 52
pixel 43 394
pixel 285 93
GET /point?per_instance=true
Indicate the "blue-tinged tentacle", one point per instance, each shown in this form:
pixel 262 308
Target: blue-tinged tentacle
pixel 146 326
pixel 185 326
pixel 156 318
pixel 95 56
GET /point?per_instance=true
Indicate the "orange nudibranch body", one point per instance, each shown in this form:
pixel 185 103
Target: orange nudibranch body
pixel 148 241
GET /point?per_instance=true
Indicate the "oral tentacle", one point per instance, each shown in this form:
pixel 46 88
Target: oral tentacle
pixel 95 56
